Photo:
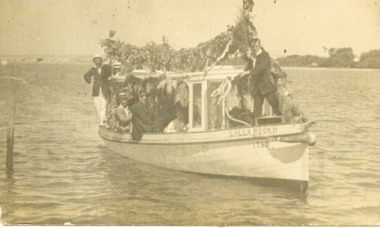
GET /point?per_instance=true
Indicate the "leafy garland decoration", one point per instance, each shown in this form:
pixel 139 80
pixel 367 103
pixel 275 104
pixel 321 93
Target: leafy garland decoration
pixel 155 57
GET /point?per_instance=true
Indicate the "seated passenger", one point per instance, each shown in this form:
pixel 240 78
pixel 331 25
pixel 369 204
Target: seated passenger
pixel 111 115
pixel 116 69
pixel 140 117
pixel 117 72
pixel 176 125
pixel 123 115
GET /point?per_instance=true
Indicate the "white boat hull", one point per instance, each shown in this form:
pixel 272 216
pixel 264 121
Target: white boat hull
pixel 243 154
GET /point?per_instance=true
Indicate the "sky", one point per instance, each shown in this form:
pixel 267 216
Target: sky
pixel 74 27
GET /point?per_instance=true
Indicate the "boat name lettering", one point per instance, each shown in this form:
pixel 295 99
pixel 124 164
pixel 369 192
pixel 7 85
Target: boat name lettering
pixel 257 131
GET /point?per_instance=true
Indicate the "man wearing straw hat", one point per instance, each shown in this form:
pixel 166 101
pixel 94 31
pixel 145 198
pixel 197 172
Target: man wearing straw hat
pixel 117 71
pixel 116 68
pixel 99 74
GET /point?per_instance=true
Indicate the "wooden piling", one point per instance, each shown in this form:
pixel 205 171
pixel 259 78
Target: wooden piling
pixel 13 84
pixel 10 137
pixel 11 125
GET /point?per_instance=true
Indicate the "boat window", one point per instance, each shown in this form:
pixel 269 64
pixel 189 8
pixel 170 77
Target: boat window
pixel 197 105
pixel 215 112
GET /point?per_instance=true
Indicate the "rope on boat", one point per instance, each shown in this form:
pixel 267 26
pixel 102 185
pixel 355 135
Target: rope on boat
pixel 223 90
pixel 304 137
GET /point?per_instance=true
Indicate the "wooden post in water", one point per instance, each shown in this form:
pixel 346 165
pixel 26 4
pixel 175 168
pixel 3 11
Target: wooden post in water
pixel 12 83
pixel 11 124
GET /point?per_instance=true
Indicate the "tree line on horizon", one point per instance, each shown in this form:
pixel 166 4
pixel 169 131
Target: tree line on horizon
pixel 338 57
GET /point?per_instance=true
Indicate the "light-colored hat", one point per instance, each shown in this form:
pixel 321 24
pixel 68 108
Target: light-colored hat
pixel 142 92
pixel 127 96
pixel 96 56
pixel 117 65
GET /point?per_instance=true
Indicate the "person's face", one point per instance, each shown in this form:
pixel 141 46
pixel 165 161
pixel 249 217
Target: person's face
pixel 256 47
pixel 124 102
pixel 280 82
pixel 143 98
pixel 98 61
pixel 117 70
pixel 249 53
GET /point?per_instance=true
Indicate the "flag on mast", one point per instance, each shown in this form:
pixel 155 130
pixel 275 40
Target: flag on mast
pixel 248 5
pixel 112 33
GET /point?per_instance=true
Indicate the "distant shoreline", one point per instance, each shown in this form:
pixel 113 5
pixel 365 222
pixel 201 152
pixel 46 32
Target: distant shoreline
pixel 58 59
pixel 86 59
pixel 328 68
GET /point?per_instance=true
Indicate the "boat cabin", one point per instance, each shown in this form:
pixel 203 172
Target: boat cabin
pixel 206 110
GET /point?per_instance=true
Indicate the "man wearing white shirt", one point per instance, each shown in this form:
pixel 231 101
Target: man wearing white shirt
pixel 99 74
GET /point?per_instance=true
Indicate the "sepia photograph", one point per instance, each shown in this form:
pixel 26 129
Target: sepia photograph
pixel 190 113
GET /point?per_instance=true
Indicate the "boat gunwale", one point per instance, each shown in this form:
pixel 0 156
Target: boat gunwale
pixel 196 141
pixel 216 130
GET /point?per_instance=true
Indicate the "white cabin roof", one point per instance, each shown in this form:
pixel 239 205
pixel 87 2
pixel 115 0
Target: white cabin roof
pixel 217 73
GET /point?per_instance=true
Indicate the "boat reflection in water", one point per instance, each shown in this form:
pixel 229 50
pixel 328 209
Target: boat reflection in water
pixel 270 150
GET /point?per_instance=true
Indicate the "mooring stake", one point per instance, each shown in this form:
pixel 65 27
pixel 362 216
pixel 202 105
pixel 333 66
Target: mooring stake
pixel 11 128
pixel 13 85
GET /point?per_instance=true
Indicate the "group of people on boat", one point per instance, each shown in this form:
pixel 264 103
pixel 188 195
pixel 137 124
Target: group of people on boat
pixel 131 114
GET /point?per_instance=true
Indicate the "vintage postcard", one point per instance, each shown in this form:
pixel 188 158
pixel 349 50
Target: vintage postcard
pixel 190 113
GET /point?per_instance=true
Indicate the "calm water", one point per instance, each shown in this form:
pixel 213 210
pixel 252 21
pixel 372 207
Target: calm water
pixel 63 173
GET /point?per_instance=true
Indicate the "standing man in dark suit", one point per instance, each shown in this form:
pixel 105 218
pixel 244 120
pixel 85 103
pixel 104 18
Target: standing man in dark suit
pixel 261 80
pixel 99 74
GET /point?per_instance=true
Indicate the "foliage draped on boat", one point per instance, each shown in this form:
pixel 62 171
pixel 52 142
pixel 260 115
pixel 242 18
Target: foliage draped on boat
pixel 162 56
pixel 166 94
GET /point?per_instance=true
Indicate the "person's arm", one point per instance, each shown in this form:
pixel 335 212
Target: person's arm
pixel 249 61
pixel 87 76
pixel 106 71
pixel 138 111
pixel 247 69
pixel 122 117
pixel 128 117
pixel 261 66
